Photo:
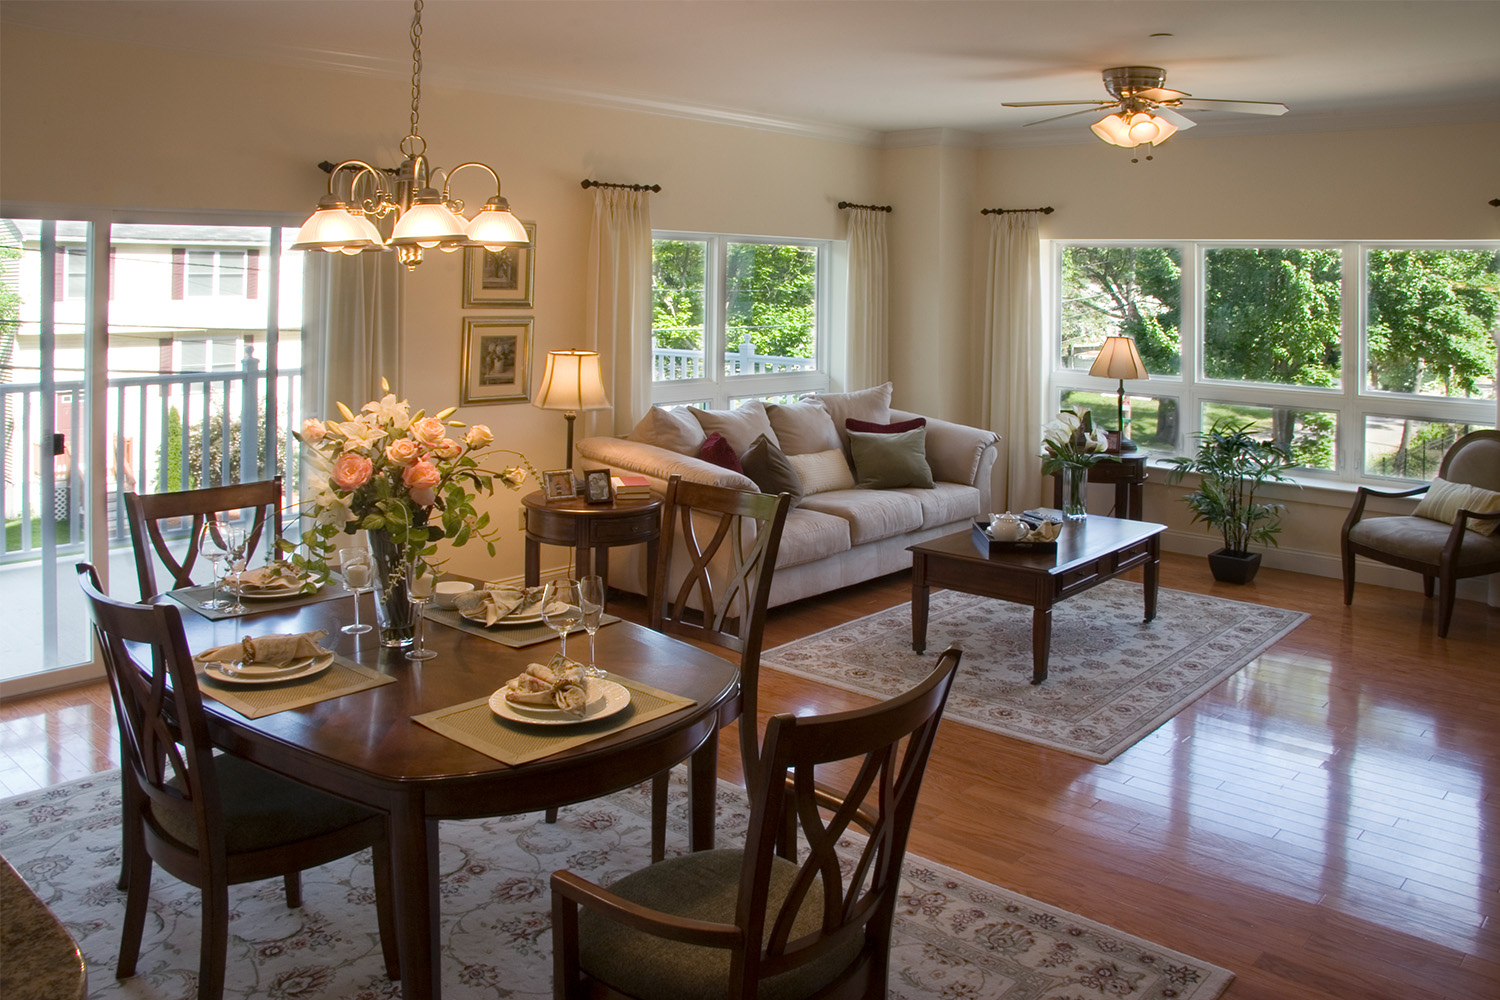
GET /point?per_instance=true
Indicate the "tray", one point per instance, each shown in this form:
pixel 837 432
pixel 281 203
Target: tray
pixel 990 547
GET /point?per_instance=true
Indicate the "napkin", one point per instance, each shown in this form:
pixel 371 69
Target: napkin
pixel 268 650
pixel 560 684
pixel 276 576
pixel 494 603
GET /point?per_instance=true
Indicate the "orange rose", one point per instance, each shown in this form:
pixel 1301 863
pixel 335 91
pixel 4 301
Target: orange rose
pixel 351 471
pixel 403 451
pixel 422 479
pixel 428 430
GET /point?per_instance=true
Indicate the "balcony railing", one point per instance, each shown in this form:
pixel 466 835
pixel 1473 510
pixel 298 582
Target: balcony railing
pixel 674 364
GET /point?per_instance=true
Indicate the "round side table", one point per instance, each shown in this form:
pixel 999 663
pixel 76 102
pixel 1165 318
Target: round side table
pixel 591 529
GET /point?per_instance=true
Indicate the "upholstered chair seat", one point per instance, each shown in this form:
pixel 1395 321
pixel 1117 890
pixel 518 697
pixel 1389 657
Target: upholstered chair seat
pixel 1421 540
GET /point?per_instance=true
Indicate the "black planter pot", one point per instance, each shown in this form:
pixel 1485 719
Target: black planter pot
pixel 1234 567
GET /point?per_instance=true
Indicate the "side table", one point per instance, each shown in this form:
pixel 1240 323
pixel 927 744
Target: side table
pixel 591 529
pixel 1129 477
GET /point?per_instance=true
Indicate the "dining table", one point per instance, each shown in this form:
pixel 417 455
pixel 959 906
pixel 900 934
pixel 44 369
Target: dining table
pixel 408 740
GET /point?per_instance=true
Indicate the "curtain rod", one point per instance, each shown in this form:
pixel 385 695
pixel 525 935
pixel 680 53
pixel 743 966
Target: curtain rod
pixel 1011 211
pixel 873 208
pixel 608 184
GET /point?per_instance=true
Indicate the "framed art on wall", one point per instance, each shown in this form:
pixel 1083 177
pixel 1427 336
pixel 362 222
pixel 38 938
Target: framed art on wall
pixel 496 360
pixel 501 278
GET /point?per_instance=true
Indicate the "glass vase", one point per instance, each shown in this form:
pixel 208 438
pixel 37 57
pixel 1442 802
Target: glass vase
pixel 395 614
pixel 1075 482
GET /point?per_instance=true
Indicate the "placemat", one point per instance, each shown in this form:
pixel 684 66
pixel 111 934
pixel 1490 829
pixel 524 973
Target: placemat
pixel 254 701
pixel 193 597
pixel 514 636
pixel 475 726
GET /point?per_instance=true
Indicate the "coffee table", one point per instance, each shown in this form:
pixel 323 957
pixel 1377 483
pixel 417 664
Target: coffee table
pixel 1088 553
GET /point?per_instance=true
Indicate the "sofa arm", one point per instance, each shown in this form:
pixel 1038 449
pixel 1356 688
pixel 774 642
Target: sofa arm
pixel 959 453
pixel 659 464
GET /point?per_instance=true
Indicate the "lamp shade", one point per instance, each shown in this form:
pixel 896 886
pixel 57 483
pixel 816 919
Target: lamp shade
pixel 495 228
pixel 573 381
pixel 428 223
pixel 334 227
pixel 1128 130
pixel 1118 358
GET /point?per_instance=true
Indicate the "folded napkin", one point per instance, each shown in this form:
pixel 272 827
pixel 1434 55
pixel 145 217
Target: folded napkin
pixel 276 576
pixel 494 603
pixel 268 650
pixel 559 684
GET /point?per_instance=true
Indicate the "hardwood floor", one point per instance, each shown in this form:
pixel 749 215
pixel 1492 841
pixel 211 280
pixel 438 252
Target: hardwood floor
pixel 1321 823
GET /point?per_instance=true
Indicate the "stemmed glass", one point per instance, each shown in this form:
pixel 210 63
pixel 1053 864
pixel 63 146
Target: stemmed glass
pixel 591 600
pixel 355 567
pixel 562 610
pixel 212 546
pixel 419 592
pixel 234 546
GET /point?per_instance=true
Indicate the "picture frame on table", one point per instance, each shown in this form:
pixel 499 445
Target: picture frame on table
pixel 597 488
pixel 496 364
pixel 500 278
pixel 559 485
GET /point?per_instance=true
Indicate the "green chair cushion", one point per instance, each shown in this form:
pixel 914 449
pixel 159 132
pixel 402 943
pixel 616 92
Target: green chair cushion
pixel 699 886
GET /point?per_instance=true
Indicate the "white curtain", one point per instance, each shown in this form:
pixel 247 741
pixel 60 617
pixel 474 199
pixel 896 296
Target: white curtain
pixel 617 317
pixel 1015 376
pixel 351 317
pixel 869 323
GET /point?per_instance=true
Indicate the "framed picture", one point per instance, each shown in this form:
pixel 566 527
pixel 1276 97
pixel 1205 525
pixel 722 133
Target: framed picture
pixel 501 278
pixel 496 361
pixel 596 487
pixel 559 485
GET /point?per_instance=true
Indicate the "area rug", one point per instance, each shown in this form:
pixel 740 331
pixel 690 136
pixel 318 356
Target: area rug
pixel 956 938
pixel 1111 677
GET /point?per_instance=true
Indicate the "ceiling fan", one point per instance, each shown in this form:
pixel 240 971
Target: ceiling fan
pixel 1142 110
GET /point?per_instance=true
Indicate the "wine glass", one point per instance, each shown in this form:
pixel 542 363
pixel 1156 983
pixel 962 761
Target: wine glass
pixel 356 569
pixel 234 547
pixel 211 546
pixel 591 600
pixel 419 592
pixel 561 610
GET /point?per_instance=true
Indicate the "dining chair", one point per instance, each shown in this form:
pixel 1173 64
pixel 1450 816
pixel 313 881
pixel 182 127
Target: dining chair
pixel 1450 534
pixel 212 820
pixel 741 923
pixel 147 511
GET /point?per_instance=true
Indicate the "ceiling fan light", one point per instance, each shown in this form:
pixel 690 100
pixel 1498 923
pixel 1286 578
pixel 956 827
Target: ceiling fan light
pixel 1144 127
pixel 1113 129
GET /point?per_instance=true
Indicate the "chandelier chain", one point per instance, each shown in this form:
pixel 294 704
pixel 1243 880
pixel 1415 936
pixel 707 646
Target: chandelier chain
pixel 416 63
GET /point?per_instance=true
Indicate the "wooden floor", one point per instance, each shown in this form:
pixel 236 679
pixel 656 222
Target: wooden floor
pixel 1321 823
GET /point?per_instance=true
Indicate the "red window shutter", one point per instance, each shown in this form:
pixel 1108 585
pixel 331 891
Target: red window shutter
pixel 60 273
pixel 179 270
pixel 252 274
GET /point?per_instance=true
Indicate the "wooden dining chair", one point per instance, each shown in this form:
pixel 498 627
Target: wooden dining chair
pixel 740 923
pixel 212 820
pixel 147 511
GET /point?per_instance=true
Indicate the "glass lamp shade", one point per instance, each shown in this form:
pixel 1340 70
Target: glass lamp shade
pixel 573 381
pixel 1134 129
pixel 333 227
pixel 494 227
pixel 428 223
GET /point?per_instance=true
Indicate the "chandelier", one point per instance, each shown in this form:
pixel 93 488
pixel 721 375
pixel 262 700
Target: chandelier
pixel 424 218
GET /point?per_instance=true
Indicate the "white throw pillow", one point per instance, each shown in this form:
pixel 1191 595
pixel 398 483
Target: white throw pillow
pixel 673 430
pixel 1443 500
pixel 803 428
pixel 740 426
pixel 823 471
pixel 872 405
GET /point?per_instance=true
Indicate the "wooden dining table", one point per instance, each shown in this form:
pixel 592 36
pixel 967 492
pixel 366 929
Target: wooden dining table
pixel 366 747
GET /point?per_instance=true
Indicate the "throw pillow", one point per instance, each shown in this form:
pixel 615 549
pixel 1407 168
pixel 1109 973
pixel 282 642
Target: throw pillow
pixel 822 471
pixel 673 430
pixel 740 426
pixel 771 470
pixel 1443 499
pixel 873 404
pixel 890 461
pixel 867 427
pixel 716 449
pixel 802 428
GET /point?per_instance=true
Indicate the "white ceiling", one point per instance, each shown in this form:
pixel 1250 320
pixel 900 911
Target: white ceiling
pixel 860 70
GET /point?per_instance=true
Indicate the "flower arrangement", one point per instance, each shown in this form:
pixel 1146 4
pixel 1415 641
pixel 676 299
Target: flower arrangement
pixel 1072 441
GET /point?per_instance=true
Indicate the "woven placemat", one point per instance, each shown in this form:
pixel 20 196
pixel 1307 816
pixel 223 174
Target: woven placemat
pixel 514 636
pixel 475 726
pixel 254 701
pixel 192 598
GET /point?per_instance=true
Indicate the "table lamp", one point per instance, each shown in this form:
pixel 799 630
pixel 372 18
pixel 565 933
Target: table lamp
pixel 572 382
pixel 1119 359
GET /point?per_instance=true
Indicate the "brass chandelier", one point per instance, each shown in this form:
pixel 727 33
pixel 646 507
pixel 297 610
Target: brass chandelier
pixel 425 218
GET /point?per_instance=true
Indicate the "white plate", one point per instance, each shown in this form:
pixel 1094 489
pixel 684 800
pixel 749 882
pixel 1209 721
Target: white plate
pixel 611 698
pixel 254 673
pixel 531 619
pixel 266 593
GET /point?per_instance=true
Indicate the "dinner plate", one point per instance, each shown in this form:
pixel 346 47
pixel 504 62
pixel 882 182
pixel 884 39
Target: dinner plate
pixel 611 698
pixel 531 619
pixel 236 672
pixel 288 589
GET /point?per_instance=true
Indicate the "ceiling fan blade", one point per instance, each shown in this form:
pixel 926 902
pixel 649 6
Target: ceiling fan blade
pixel 1051 104
pixel 1242 107
pixel 1161 94
pixel 1070 114
pixel 1181 121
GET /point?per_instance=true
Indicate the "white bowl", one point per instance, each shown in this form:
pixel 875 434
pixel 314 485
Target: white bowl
pixel 446 592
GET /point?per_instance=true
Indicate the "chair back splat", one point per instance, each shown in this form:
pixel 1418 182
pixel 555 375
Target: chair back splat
pixel 147 511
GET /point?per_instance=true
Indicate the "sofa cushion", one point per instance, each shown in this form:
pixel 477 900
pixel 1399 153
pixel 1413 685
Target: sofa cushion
pixel 872 405
pixel 946 503
pixel 673 430
pixel 809 535
pixel 1423 539
pixel 890 461
pixel 803 428
pixel 740 426
pixel 872 514
pixel 823 471
pixel 772 471
pixel 716 449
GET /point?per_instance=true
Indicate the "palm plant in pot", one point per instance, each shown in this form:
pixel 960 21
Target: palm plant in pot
pixel 1232 465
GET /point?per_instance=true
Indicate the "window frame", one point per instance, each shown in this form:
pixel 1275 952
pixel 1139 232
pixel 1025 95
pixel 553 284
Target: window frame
pixel 720 391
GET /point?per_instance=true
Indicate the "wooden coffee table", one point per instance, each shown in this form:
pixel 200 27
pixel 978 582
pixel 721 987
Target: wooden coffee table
pixel 1088 553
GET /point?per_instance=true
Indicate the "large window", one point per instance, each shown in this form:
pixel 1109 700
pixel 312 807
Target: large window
pixel 737 318
pixel 1363 360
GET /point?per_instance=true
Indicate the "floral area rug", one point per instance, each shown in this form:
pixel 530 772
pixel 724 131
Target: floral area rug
pixel 956 938
pixel 1111 677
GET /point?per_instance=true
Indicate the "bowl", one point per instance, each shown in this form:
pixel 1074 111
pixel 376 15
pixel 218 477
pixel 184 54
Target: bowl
pixel 446 592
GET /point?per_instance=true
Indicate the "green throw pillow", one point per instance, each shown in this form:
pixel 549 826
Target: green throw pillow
pixel 890 461
pixel 770 469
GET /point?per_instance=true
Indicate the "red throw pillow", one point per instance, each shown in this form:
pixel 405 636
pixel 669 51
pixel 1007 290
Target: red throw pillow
pixel 901 426
pixel 715 449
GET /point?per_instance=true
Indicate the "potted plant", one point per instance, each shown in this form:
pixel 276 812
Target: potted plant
pixel 1232 466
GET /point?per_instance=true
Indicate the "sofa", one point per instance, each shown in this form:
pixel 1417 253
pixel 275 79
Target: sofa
pixel 868 480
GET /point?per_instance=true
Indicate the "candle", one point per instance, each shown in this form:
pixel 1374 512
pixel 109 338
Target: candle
pixel 357 574
pixel 421 585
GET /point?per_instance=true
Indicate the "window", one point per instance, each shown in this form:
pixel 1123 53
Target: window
pixel 203 273
pixel 737 317
pixel 1364 360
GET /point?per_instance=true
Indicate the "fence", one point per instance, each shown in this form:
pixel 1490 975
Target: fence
pixel 673 364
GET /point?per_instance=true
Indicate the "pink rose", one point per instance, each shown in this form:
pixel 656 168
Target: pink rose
pixel 403 451
pixel 351 471
pixel 422 479
pixel 478 436
pixel 447 448
pixel 428 430
pixel 313 431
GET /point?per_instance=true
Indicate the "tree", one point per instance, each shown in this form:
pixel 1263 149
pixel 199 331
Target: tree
pixel 1136 291
pixel 677 279
pixel 772 298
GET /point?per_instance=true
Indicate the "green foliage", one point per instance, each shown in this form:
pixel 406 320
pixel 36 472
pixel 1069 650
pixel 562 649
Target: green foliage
pixel 1272 315
pixel 1136 291
pixel 1431 317
pixel 771 295
pixel 1232 466
pixel 677 279
pixel 170 473
pixel 212 474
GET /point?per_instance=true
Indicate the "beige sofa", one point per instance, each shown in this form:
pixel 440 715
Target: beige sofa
pixel 839 533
